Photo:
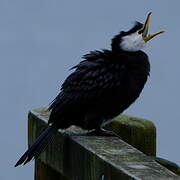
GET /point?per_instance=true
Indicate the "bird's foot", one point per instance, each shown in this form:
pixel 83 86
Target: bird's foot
pixel 95 132
pixel 102 132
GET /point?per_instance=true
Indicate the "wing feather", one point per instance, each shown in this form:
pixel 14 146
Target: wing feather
pixel 92 77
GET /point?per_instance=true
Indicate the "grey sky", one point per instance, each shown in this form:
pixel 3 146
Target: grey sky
pixel 41 40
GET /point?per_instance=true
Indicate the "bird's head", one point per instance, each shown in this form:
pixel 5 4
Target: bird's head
pixel 134 39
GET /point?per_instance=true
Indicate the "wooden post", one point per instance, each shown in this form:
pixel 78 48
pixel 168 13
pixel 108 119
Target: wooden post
pixel 74 157
pixel 140 133
pixel 45 172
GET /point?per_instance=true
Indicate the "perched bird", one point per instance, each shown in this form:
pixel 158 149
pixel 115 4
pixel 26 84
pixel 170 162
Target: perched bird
pixel 101 87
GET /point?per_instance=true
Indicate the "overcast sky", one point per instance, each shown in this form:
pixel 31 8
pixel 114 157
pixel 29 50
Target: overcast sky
pixel 41 40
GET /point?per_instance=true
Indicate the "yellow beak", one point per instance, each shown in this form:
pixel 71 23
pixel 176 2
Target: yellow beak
pixel 145 30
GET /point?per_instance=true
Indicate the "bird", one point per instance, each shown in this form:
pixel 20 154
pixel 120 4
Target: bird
pixel 101 86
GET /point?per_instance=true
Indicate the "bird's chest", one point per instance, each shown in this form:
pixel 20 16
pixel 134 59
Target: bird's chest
pixel 127 83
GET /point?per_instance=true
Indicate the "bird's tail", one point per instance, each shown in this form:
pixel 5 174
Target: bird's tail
pixel 38 146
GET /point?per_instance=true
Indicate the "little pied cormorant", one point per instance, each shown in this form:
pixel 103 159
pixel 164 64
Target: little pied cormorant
pixel 101 87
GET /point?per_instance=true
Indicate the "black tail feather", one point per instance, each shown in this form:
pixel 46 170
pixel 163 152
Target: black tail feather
pixel 39 146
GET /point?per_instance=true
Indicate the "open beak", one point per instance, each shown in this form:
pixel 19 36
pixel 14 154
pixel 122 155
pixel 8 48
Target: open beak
pixel 146 37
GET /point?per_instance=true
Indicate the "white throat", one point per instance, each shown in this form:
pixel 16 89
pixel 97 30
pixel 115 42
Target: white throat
pixel 132 42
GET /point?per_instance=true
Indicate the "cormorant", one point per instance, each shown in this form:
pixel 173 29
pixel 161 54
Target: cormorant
pixel 101 87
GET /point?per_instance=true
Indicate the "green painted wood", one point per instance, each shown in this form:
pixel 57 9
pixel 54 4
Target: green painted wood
pixel 94 158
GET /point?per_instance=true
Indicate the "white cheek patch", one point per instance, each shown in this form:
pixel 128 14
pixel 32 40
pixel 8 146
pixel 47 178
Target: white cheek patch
pixel 133 42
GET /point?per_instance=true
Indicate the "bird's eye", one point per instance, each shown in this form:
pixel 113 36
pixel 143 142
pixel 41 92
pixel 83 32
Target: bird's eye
pixel 140 32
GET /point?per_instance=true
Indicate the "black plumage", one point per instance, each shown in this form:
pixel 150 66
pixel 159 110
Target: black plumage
pixel 101 87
